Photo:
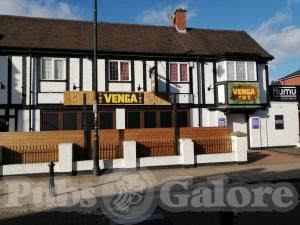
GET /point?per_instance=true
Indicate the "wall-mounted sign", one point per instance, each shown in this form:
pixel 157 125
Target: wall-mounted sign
pixel 75 98
pixel 255 123
pixel 284 93
pixel 222 122
pixel 246 93
pixel 112 98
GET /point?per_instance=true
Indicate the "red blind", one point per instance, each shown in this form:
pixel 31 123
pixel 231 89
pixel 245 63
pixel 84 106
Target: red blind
pixel 124 71
pixel 183 72
pixel 173 72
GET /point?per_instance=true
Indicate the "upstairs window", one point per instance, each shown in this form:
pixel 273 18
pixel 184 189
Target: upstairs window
pixel 119 71
pixel 53 69
pixel 179 72
pixel 241 71
pixel 250 71
pixel 230 70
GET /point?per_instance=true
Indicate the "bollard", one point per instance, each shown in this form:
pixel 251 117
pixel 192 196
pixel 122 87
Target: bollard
pixel 51 180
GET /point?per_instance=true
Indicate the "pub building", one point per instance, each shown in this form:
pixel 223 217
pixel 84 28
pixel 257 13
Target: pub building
pixel 210 78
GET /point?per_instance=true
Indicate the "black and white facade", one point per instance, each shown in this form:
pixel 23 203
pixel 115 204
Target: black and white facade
pixel 35 74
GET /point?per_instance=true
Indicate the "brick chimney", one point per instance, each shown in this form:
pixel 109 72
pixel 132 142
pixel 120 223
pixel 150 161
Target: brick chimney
pixel 179 21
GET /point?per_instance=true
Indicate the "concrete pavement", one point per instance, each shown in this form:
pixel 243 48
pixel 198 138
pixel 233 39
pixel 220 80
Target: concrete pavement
pixel 264 165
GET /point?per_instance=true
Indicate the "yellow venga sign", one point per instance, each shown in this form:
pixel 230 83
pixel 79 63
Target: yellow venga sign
pixel 107 98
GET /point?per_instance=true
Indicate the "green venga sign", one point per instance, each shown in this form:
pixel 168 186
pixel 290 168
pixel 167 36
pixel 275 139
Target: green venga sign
pixel 243 93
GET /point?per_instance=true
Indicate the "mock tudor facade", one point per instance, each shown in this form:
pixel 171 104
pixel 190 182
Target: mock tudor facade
pixel 216 77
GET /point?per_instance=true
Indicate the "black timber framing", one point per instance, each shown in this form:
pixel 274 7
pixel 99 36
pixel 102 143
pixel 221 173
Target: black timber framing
pixel 167 76
pixel 80 74
pixel 38 79
pixel 9 80
pixel 24 79
pixel 216 100
pixel 203 83
pixel 67 74
pixel 156 76
pixel 106 75
pixel 132 76
pixel 191 79
pixel 144 76
pixel 267 84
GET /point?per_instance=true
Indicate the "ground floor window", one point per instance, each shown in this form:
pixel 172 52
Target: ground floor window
pixel 155 118
pixel 76 120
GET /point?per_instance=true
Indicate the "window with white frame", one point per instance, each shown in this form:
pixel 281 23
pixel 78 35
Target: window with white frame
pixel 119 71
pixel 53 69
pixel 241 71
pixel 179 72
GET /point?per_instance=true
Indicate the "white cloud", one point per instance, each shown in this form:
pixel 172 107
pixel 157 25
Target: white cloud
pixel 159 14
pixel 279 36
pixel 39 8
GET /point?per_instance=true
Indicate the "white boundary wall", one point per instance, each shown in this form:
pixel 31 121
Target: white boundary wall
pixel 130 161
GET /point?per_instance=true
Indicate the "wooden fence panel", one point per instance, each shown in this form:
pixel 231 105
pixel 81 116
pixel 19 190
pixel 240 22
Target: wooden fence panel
pixel 213 145
pixel 29 154
pixel 154 148
pixel 31 147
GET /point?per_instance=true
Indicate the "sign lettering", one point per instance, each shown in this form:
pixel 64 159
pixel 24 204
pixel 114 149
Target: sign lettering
pixel 243 93
pixel 111 98
pixel 284 93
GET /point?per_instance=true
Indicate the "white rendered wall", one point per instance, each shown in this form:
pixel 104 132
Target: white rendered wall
pixel 74 73
pixel 87 75
pixel 27 79
pixel 210 118
pixel 195 83
pixel 16 79
pixel 101 74
pixel 149 64
pixel 23 120
pixel 53 86
pixel 221 94
pixel 162 75
pixel 237 122
pixel 120 87
pixel 194 115
pixel 3 78
pixel 51 98
pixel 138 71
pixel 209 82
pixel 180 88
pixel 120 118
pixel 267 135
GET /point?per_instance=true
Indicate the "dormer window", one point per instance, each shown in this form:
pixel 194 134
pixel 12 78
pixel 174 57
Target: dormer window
pixel 179 72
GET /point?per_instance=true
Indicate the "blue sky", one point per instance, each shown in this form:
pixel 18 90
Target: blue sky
pixel 275 24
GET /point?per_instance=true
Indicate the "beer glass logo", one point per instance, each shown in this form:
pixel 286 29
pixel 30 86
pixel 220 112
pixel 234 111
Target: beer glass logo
pixel 128 198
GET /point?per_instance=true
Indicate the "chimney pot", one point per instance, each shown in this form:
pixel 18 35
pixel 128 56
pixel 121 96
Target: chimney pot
pixel 179 21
